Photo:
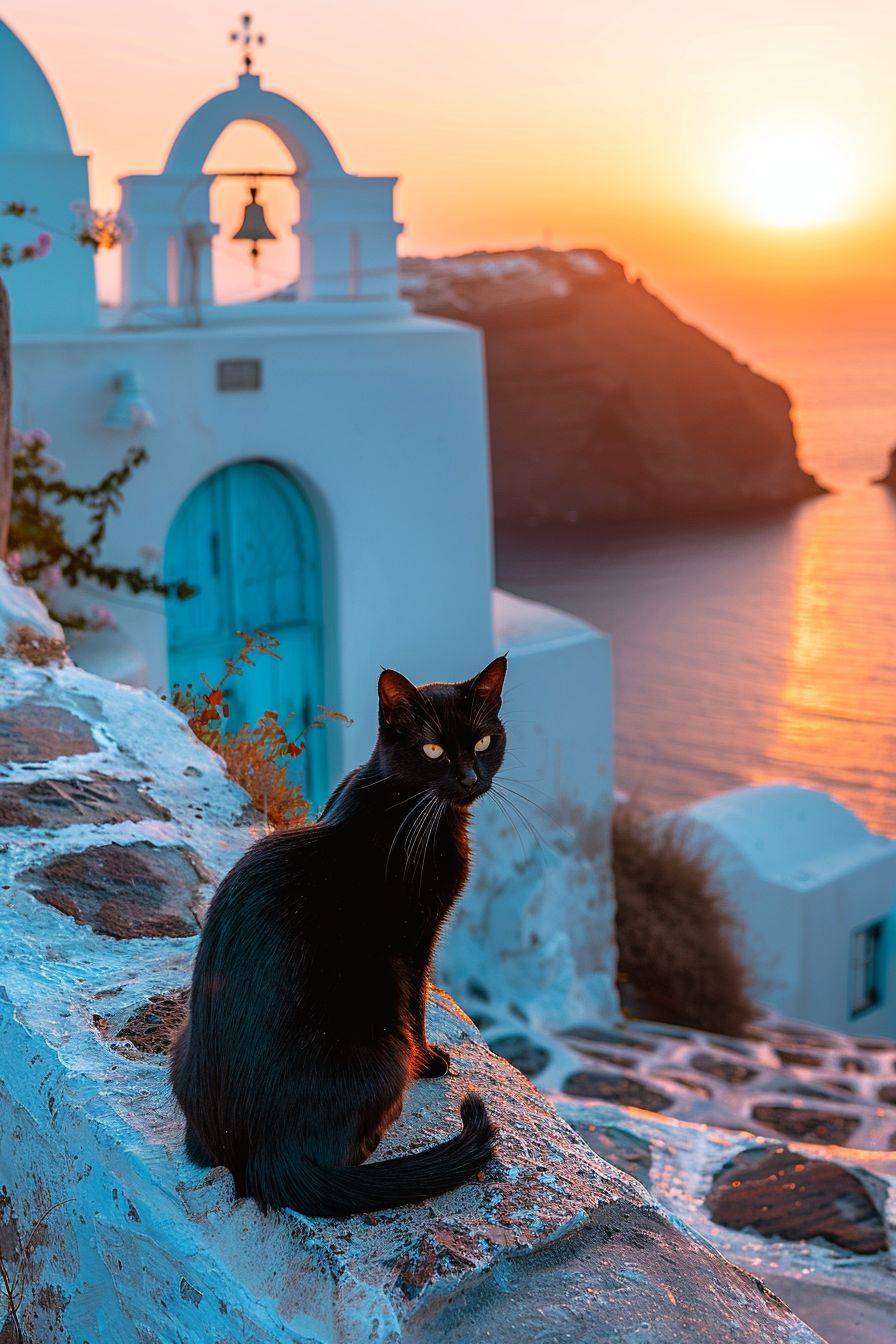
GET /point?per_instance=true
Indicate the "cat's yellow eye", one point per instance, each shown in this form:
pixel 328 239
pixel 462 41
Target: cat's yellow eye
pixel 433 750
pixel 484 743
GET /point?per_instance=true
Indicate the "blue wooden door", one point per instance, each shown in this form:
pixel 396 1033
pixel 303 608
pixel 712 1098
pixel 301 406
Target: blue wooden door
pixel 246 538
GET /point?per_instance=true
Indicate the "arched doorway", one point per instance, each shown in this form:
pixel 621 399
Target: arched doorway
pixel 247 539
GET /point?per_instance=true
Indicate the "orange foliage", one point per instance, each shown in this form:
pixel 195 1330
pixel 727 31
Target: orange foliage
pixel 257 756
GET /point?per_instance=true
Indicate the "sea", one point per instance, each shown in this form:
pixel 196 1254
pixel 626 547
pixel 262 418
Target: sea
pixel 759 648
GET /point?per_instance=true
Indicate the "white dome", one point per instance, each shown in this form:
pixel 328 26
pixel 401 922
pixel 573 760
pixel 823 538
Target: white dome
pixel 31 120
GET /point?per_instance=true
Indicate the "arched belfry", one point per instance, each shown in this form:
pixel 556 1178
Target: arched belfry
pixel 345 240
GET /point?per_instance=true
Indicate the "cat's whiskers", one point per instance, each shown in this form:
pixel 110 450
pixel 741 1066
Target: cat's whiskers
pixel 403 802
pixel 517 793
pixel 521 781
pixel 483 712
pixel 434 824
pixel 430 827
pixel 413 840
pixel 418 823
pixel 508 818
pixel 502 793
pixel 421 802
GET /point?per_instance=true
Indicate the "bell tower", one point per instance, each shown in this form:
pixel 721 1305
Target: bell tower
pixel 345 240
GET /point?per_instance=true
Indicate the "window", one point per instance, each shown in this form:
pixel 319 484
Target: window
pixel 239 375
pixel 866 968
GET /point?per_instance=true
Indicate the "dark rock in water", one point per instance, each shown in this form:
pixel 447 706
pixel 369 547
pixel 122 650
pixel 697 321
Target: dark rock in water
pixel 522 1052
pixel 619 1147
pixel 889 476
pixel 603 404
pixel 726 1070
pixel 618 1088
pixel 37 732
pixel 90 800
pixel 813 1126
pixel 126 891
pixel 779 1193
pixel 152 1028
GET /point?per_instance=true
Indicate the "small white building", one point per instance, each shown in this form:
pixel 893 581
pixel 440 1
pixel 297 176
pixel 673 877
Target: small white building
pixel 815 892
pixel 319 469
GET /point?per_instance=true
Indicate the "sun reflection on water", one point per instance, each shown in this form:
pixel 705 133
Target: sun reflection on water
pixel 836 711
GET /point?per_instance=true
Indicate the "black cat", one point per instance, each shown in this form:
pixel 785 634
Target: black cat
pixel 307 1010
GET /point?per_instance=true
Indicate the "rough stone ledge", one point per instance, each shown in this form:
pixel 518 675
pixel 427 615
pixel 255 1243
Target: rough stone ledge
pixel 145 1248
pixel 811 1272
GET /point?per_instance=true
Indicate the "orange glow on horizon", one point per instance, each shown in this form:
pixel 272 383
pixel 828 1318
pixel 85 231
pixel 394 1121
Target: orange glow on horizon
pixel 667 137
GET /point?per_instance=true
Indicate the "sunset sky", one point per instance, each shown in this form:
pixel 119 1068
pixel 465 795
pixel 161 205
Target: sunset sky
pixel 734 154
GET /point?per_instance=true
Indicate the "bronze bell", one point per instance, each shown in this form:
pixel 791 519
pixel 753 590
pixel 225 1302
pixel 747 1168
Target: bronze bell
pixel 254 228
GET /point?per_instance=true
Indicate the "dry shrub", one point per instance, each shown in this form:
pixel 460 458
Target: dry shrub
pixel 674 932
pixel 257 756
pixel 31 646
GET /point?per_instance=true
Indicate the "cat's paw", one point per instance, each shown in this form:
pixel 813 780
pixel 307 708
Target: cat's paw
pixel 435 1063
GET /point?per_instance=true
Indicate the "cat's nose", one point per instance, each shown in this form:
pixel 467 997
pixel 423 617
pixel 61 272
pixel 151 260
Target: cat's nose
pixel 467 777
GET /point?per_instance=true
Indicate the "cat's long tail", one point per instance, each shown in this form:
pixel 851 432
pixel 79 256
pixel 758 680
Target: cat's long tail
pixel 338 1192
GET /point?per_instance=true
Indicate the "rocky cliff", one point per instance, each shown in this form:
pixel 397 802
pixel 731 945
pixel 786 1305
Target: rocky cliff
pixel 603 403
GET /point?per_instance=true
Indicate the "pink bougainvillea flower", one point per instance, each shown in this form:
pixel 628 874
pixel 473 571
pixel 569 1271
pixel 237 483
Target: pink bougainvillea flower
pixel 44 243
pixel 14 562
pixel 40 437
pixel 102 618
pixel 51 577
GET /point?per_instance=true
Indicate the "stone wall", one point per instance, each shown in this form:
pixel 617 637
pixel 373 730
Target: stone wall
pixel 115 824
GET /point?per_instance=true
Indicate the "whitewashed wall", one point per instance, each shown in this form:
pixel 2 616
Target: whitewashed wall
pixel 381 422
pixel 801 873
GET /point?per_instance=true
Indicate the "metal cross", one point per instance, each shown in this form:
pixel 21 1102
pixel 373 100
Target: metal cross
pixel 247 39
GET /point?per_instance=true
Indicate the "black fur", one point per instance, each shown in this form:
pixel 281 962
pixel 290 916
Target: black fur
pixel 307 1011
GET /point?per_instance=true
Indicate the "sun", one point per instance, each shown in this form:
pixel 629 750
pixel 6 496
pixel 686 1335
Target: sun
pixel 793 176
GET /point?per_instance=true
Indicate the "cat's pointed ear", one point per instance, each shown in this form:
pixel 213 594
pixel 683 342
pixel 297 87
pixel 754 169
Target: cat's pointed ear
pixel 397 694
pixel 490 682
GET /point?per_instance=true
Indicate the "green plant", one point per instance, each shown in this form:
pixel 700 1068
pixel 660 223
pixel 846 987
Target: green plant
pixel 257 756
pixel 39 549
pixel 675 936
